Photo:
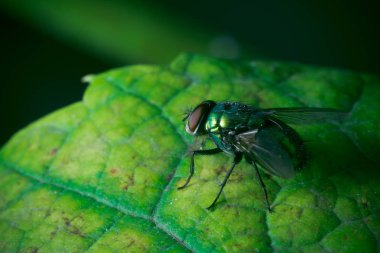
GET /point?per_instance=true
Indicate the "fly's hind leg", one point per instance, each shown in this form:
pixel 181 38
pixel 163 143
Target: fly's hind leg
pixel 262 185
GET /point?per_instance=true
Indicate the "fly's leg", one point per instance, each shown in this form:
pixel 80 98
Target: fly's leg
pixel 237 159
pixel 262 186
pixel 198 152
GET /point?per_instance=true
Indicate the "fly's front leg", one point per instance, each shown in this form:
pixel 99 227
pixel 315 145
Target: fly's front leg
pixel 198 152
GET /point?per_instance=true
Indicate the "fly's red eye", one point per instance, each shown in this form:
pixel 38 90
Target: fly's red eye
pixel 196 116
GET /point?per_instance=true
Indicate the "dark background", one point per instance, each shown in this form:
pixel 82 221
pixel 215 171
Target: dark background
pixel 47 46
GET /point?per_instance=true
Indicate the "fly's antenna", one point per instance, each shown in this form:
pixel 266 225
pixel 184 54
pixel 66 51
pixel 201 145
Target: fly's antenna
pixel 187 114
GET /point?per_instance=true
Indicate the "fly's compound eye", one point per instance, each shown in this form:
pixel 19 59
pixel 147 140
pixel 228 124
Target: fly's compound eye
pixel 198 115
pixel 194 118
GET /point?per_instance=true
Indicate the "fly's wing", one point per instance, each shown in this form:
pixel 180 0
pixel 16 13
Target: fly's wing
pixel 305 115
pixel 263 147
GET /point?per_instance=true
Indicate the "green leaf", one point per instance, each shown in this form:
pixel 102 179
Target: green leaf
pixel 101 175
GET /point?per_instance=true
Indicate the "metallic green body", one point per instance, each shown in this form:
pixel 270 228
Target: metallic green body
pixel 228 119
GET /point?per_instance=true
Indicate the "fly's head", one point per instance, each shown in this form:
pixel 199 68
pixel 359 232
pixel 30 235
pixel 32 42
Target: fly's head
pixel 196 119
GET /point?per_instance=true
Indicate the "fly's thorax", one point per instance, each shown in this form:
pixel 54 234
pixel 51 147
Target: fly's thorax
pixel 216 121
pixel 222 120
pixel 223 117
pixel 221 129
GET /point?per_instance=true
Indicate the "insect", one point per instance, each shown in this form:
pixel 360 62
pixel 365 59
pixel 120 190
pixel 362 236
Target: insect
pixel 261 136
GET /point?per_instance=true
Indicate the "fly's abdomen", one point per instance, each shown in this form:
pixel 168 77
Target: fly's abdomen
pixel 291 142
pixel 219 122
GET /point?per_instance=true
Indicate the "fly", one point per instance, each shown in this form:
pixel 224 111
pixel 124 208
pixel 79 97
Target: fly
pixel 261 136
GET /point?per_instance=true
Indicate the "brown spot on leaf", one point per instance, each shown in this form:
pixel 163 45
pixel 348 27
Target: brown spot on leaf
pixel 126 187
pixel 53 152
pixel 113 171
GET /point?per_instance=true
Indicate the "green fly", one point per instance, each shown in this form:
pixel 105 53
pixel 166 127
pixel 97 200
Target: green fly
pixel 261 136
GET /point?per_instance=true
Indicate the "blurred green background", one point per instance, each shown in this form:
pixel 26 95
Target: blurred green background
pixel 47 46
